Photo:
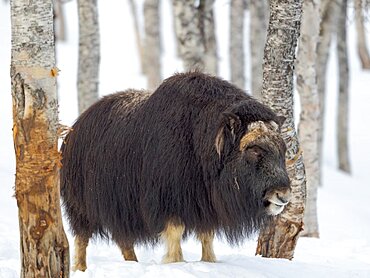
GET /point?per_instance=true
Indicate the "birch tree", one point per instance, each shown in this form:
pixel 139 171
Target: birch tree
pixel 210 41
pixel 308 124
pixel 236 48
pixel 258 31
pixel 44 245
pixel 88 54
pixel 361 34
pixel 152 43
pixel 138 37
pixel 279 239
pixel 328 14
pixel 190 32
pixel 343 99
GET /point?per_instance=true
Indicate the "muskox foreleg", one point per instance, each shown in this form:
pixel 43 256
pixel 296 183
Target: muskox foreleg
pixel 127 251
pixel 172 235
pixel 206 239
pixel 81 243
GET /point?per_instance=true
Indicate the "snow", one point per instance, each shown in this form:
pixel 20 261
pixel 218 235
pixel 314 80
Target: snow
pixel 343 249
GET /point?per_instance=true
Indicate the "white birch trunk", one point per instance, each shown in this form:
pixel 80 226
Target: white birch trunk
pixel 190 37
pixel 236 48
pixel 88 55
pixel 328 13
pixel 138 38
pixel 308 124
pixel 44 245
pixel 279 239
pixel 211 59
pixel 343 96
pixel 361 35
pixel 152 44
pixel 259 11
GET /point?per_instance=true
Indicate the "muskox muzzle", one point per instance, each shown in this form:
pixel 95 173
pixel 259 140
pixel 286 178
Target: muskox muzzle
pixel 275 200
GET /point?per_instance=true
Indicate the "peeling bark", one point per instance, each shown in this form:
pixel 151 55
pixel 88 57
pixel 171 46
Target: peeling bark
pixel 152 44
pixel 236 48
pixel 308 124
pixel 343 96
pixel 88 54
pixel 279 239
pixel 44 245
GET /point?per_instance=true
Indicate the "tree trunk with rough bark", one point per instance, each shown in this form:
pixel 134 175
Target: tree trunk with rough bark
pixel 88 54
pixel 44 245
pixel 236 48
pixel 258 30
pixel 308 124
pixel 190 35
pixel 279 239
pixel 152 44
pixel 361 35
pixel 343 96
pixel 328 13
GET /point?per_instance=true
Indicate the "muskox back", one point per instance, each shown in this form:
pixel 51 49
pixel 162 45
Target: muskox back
pixel 134 162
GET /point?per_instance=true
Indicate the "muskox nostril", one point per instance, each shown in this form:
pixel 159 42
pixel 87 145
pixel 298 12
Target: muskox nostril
pixel 284 197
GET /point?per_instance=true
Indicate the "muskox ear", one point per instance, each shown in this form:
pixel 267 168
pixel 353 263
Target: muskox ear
pixel 226 134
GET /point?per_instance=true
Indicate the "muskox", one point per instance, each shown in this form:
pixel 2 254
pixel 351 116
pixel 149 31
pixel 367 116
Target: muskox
pixel 198 156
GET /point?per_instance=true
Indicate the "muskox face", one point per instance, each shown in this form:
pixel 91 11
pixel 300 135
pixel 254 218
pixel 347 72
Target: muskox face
pixel 254 167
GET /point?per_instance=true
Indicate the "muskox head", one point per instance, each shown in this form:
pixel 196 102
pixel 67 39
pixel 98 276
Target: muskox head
pixel 253 181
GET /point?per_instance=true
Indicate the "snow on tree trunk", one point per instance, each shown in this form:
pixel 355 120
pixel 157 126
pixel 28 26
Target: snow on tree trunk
pixel 237 64
pixel 328 13
pixel 44 245
pixel 308 124
pixel 258 30
pixel 190 36
pixel 343 102
pixel 279 239
pixel 152 43
pixel 361 35
pixel 88 55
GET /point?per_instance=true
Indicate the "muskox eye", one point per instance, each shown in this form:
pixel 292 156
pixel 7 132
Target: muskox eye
pixel 255 152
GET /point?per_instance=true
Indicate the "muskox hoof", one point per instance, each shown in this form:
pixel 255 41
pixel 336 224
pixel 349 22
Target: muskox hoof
pixel 210 258
pixel 177 258
pixel 79 266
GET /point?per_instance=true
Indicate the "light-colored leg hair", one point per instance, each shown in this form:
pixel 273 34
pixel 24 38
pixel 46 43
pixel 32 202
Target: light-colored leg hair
pixel 206 239
pixel 172 235
pixel 79 262
pixel 128 252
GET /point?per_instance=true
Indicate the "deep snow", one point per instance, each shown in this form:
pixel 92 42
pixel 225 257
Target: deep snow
pixel 343 249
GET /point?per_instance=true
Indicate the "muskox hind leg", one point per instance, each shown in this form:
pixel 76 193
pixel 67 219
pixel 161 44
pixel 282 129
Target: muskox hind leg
pixel 172 235
pixel 128 251
pixel 206 239
pixel 79 262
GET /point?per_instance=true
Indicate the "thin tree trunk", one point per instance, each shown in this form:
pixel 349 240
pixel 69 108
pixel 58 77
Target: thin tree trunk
pixel 237 63
pixel 361 35
pixel 308 124
pixel 258 31
pixel 343 99
pixel 190 36
pixel 88 55
pixel 138 39
pixel 328 13
pixel 152 43
pixel 44 245
pixel 211 59
pixel 280 238
pixel 59 20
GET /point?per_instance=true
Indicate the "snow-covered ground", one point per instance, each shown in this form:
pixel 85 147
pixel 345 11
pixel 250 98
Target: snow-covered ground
pixel 343 202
